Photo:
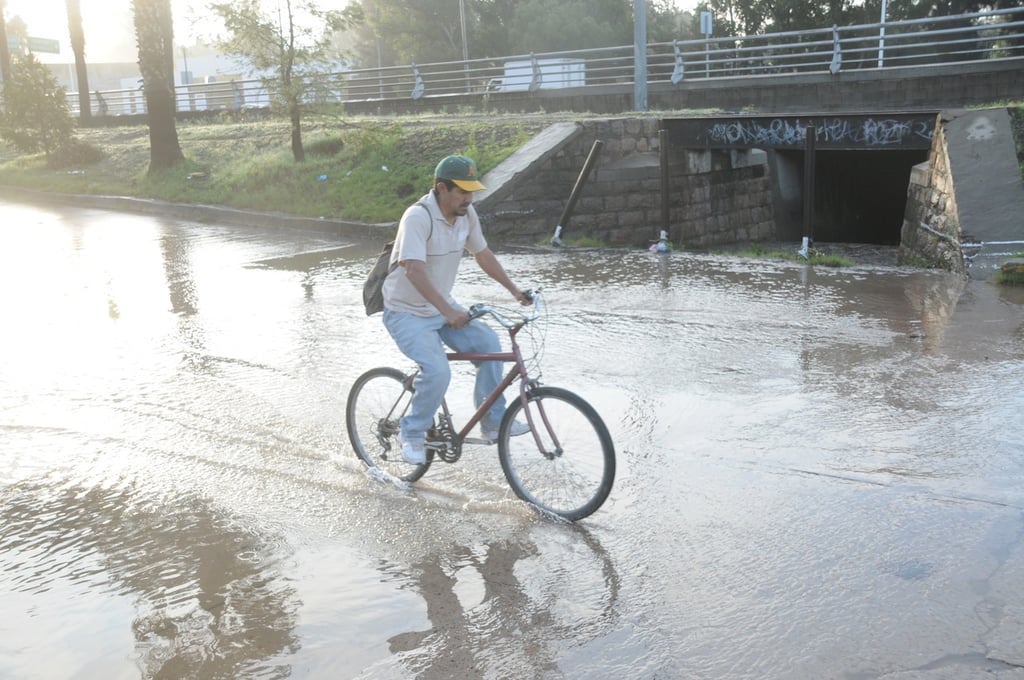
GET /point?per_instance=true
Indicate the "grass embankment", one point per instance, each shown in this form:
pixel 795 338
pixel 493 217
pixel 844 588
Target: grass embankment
pixel 814 257
pixel 361 169
pixel 358 169
pixel 1011 275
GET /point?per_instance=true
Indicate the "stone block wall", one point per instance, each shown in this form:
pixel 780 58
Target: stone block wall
pixel 931 231
pixel 721 197
pixel 715 197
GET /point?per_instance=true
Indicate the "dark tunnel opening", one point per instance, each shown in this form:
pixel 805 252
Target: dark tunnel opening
pixel 861 196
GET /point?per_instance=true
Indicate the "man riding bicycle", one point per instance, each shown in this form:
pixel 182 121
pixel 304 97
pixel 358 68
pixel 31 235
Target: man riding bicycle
pixel 419 311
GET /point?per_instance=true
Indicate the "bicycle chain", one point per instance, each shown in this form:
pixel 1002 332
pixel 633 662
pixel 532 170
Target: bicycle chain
pixel 441 440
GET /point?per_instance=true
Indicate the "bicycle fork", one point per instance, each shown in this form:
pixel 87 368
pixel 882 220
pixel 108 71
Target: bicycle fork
pixel 533 409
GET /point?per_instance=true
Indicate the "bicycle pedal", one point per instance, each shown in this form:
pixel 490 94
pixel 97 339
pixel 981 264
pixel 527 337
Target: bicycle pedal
pixel 477 441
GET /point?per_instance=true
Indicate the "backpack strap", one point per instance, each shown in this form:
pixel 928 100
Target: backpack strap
pixel 430 215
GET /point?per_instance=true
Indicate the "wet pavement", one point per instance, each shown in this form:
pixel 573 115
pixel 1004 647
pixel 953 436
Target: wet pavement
pixel 820 472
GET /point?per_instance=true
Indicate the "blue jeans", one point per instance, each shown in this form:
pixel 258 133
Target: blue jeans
pixel 420 338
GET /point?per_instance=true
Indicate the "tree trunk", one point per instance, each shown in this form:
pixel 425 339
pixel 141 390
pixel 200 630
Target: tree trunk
pixel 154 33
pixel 298 153
pixel 291 91
pixel 5 55
pixel 78 48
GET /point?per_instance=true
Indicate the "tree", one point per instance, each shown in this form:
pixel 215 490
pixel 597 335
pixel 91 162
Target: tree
pixel 5 54
pixel 154 33
pixel 296 45
pixel 425 31
pixel 14 30
pixel 487 24
pixel 749 17
pixel 549 25
pixel 35 115
pixel 666 23
pixel 78 48
pixel 417 30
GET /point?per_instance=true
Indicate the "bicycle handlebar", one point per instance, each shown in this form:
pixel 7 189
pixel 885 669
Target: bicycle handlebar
pixel 478 310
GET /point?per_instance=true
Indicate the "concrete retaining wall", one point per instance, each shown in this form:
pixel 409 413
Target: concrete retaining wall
pixel 715 197
pixel 931 230
pixel 967 200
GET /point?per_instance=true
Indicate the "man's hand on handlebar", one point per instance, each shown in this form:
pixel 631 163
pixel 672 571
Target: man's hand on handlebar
pixel 457 318
pixel 525 297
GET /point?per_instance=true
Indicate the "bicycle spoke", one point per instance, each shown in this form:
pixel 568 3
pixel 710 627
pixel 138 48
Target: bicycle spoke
pixel 376 403
pixel 572 480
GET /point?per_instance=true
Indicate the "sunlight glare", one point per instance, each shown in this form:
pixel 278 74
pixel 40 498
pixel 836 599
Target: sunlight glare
pixel 109 32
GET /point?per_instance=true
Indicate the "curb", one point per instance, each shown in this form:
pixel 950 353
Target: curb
pixel 202 213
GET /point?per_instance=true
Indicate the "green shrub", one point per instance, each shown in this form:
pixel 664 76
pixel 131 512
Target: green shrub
pixel 75 154
pixel 35 116
pixel 325 146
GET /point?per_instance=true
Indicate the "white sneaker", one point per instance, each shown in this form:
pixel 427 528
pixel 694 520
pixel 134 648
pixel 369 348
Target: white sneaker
pixel 414 453
pixel 518 427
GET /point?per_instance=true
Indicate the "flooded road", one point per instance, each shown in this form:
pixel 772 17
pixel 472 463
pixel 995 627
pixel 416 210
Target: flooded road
pixel 820 472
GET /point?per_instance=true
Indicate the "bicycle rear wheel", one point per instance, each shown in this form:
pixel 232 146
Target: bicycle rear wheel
pixel 376 403
pixel 573 474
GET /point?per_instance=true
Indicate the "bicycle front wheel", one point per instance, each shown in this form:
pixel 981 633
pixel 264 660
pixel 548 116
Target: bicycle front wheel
pixel 570 473
pixel 376 403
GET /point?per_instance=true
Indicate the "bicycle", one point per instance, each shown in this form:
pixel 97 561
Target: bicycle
pixel 564 465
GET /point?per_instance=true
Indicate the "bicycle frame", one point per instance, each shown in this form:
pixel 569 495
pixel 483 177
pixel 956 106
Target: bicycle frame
pixel 518 371
pixel 566 469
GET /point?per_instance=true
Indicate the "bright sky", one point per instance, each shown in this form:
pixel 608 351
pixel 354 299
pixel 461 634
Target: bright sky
pixel 109 32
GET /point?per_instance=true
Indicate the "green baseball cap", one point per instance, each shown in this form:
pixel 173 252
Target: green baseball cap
pixel 461 170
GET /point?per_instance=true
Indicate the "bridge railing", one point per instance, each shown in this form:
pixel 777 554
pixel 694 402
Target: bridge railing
pixel 940 41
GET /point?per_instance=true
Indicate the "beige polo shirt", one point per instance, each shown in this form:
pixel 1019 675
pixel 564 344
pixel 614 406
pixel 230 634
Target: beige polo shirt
pixel 439 245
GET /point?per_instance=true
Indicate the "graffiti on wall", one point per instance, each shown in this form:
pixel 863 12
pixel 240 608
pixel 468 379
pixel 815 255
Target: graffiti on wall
pixel 847 131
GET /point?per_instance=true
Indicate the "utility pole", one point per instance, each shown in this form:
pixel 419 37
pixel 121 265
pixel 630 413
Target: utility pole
pixel 881 38
pixel 465 44
pixel 639 55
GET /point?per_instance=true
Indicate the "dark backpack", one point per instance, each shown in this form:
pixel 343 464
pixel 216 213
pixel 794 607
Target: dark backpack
pixel 373 288
pixel 373 293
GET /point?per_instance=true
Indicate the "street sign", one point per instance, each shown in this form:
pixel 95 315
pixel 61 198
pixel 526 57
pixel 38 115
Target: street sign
pixel 16 44
pixel 705 23
pixel 43 45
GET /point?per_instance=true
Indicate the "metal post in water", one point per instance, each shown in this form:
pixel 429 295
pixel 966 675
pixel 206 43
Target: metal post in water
pixel 577 189
pixel 665 184
pixel 810 137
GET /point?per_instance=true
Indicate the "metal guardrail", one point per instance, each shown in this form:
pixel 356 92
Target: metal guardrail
pixel 961 38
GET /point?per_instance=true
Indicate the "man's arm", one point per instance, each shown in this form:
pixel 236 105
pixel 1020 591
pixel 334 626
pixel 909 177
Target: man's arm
pixel 416 272
pixel 488 262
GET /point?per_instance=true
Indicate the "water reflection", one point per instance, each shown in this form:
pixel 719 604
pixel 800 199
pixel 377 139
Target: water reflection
pixel 508 607
pixel 175 250
pixel 209 599
pixel 868 410
pixel 176 257
pixel 934 301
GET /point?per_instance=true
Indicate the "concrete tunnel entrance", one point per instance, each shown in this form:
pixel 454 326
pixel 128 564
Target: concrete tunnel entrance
pixel 860 196
pixel 862 166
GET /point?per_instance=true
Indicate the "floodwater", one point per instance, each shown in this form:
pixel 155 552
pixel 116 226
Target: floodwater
pixel 821 472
